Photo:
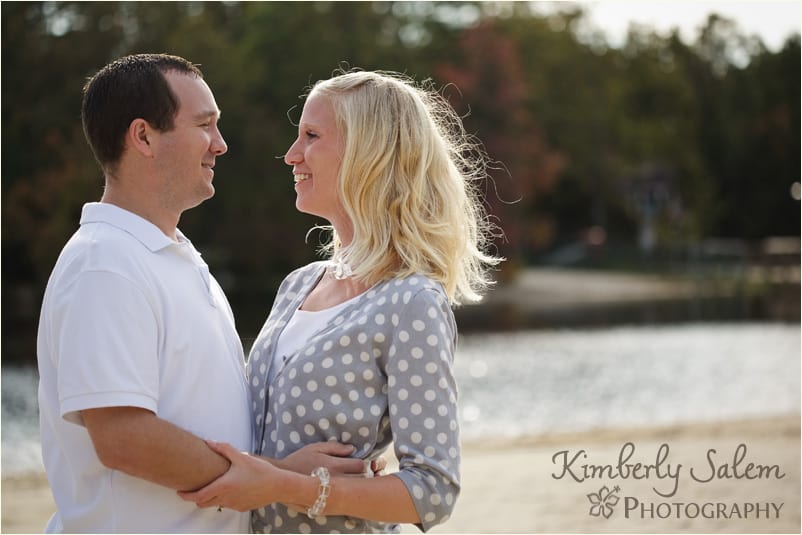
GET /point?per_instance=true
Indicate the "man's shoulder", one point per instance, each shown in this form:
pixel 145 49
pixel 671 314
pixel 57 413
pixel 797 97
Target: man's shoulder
pixel 105 245
pixel 98 248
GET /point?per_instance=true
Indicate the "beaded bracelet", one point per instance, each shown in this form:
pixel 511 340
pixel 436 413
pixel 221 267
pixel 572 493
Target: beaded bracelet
pixel 323 491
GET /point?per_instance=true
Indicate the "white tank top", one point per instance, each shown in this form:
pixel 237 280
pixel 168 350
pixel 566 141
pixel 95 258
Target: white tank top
pixel 302 326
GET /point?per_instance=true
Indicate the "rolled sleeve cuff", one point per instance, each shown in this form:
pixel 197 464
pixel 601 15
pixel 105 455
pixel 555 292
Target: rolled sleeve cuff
pixel 71 407
pixel 434 496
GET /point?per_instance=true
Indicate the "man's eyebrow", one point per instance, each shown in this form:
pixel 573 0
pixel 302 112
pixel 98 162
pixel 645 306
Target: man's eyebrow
pixel 208 114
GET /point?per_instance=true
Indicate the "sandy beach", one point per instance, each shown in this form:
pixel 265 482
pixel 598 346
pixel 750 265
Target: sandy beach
pixel 529 485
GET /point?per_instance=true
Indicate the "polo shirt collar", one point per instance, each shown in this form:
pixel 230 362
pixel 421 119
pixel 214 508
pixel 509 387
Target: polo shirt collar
pixel 143 230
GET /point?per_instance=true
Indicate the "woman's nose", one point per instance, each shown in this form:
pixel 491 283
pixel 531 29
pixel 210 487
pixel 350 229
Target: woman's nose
pixel 293 155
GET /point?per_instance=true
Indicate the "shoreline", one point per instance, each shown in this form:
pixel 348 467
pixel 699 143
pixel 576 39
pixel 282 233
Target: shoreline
pixel 545 297
pixel 509 485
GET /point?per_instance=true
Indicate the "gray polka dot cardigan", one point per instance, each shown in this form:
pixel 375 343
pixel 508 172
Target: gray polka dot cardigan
pixel 379 373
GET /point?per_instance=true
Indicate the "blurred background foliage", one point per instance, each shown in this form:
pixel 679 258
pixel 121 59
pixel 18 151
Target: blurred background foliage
pixel 649 147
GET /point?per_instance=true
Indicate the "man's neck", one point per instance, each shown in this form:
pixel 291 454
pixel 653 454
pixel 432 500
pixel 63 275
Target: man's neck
pixel 143 205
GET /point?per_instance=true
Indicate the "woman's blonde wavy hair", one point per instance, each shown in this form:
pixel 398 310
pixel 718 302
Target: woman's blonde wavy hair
pixel 409 183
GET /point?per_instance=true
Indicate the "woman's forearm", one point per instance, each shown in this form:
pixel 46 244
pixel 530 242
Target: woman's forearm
pixel 381 499
pixel 253 482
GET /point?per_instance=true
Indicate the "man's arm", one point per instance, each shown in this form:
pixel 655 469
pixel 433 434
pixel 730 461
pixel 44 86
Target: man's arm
pixel 139 443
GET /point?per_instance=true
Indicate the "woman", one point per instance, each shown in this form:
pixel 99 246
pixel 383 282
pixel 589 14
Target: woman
pixel 359 349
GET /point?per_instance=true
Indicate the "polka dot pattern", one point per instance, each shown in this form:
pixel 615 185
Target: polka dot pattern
pixel 379 373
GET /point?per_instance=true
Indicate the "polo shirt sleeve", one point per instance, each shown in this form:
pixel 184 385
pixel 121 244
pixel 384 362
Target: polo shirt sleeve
pixel 107 335
pixel 422 397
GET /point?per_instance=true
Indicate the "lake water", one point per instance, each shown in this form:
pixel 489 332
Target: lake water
pixel 540 382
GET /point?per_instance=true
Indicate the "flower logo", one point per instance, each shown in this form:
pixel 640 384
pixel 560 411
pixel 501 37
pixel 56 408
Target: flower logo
pixel 602 502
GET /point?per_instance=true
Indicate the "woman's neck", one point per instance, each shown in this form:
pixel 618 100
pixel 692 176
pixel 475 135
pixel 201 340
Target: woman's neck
pixel 330 291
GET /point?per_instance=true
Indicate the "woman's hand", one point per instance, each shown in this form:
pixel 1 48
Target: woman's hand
pixel 333 455
pixel 250 482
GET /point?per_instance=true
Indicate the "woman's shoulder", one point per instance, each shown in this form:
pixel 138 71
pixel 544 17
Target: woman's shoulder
pixel 303 275
pixel 419 302
pixel 417 281
pixel 310 268
pixel 417 287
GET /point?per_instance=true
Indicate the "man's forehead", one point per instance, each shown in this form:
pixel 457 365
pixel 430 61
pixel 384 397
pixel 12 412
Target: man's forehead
pixel 194 95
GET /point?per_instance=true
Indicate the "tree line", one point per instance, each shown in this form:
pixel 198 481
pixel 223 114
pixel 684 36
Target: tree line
pixel 658 141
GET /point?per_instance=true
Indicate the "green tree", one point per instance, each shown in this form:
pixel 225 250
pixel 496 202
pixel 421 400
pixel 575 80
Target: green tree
pixel 579 130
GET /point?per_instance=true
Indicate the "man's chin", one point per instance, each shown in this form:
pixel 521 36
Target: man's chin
pixel 203 196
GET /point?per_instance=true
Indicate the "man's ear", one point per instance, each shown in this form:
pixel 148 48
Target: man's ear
pixel 140 136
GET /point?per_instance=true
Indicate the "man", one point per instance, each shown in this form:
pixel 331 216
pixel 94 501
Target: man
pixel 139 359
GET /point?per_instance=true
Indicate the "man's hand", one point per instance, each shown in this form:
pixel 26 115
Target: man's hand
pixel 377 466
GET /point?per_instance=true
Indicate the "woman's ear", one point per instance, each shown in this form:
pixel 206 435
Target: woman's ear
pixel 140 137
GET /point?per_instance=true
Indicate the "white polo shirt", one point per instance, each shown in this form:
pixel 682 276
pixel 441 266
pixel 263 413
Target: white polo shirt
pixel 132 318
